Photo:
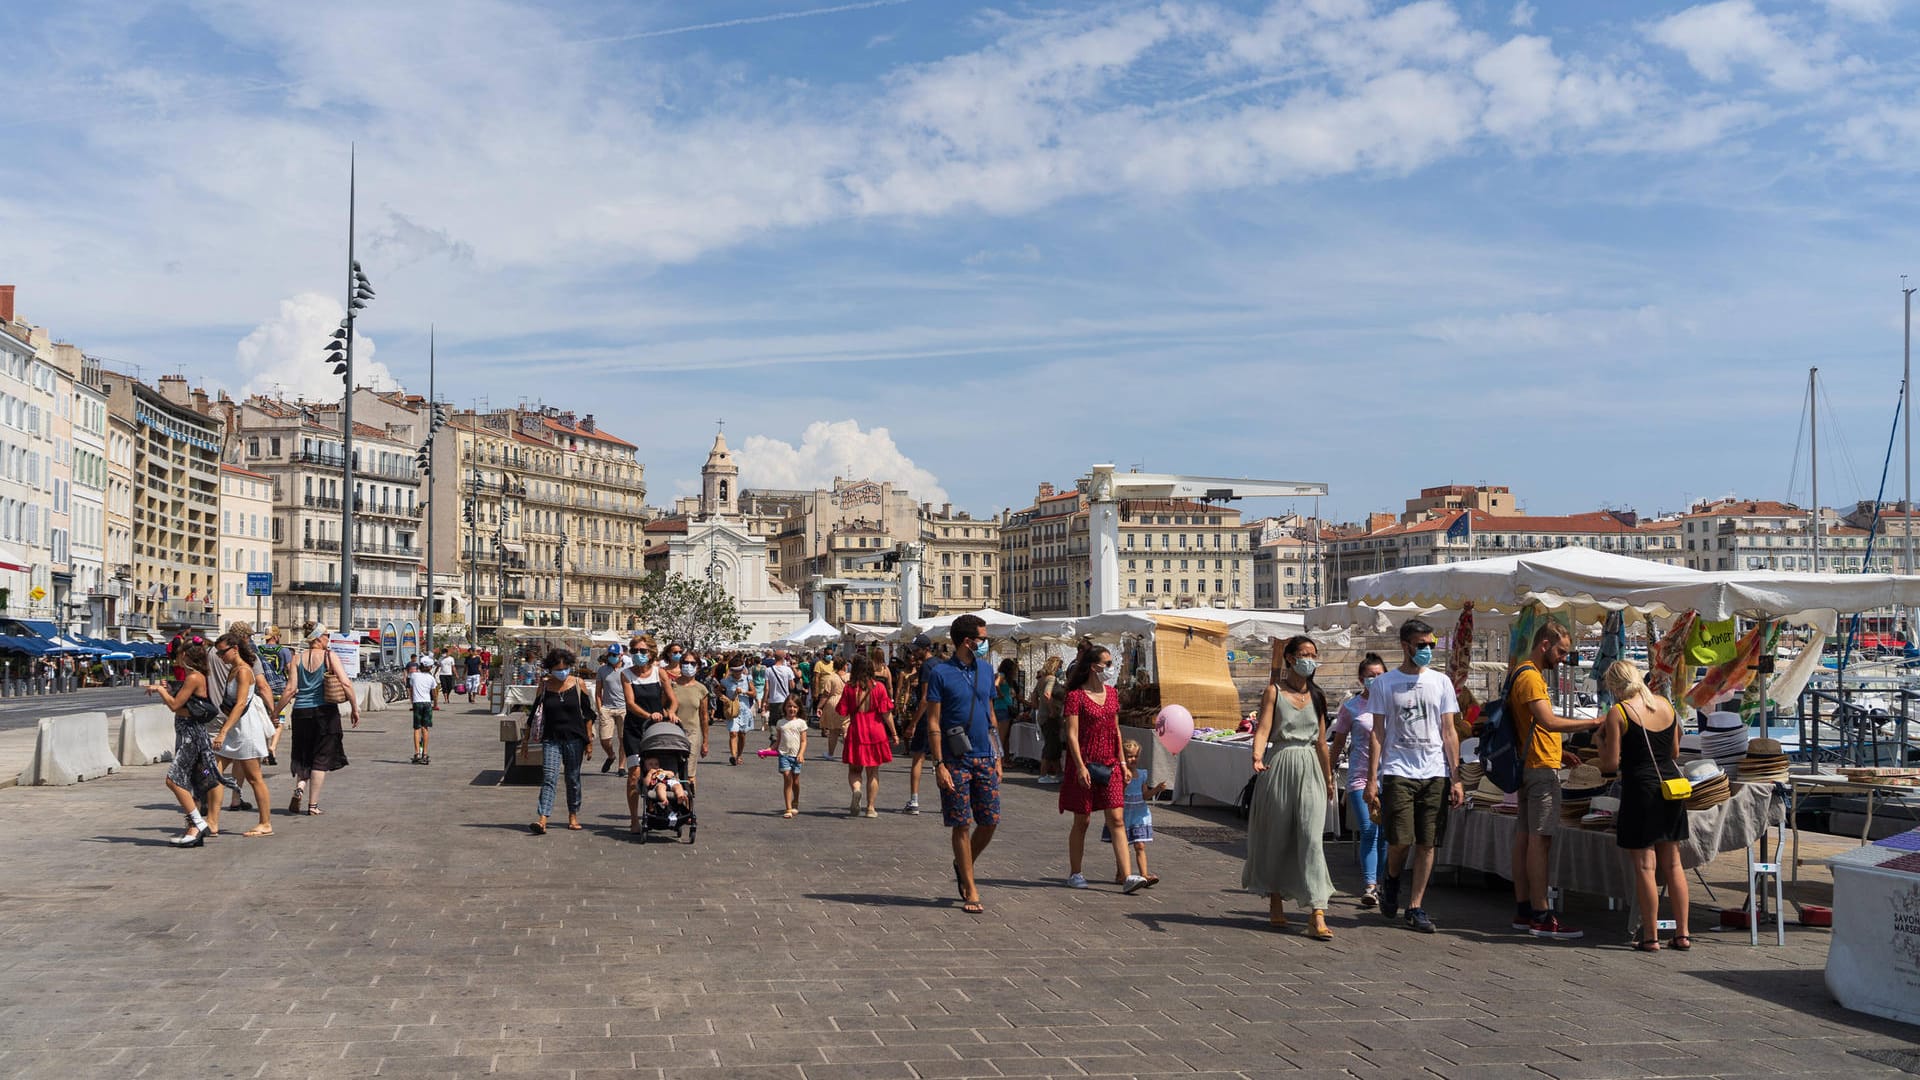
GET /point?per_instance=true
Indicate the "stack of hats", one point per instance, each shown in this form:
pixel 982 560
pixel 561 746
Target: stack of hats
pixel 1484 794
pixel 1583 782
pixel 1600 811
pixel 1470 774
pixel 1723 737
pixel 1710 785
pixel 1764 763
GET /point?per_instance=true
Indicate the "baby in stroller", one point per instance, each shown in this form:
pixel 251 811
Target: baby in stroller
pixel 667 801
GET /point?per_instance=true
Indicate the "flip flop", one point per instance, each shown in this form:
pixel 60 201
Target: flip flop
pixel 574 827
pixel 972 907
pixel 959 880
pixel 538 829
pixel 1646 946
pixel 1681 942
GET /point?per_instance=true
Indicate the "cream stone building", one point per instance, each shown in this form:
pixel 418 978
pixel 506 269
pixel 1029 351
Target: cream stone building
pixel 176 501
pixel 715 544
pixel 961 567
pixel 246 544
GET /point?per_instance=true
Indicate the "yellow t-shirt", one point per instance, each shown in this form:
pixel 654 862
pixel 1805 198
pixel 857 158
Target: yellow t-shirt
pixel 1541 748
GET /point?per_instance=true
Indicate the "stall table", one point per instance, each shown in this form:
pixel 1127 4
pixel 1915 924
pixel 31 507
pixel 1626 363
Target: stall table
pixel 1834 784
pixel 1216 771
pixel 1873 961
pixel 518 697
pixel 1590 860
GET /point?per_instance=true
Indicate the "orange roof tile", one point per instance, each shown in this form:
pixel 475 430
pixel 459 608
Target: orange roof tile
pixel 596 432
pixel 237 470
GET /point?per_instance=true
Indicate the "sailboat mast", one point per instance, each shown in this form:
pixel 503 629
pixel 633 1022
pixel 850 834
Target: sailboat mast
pixel 1813 437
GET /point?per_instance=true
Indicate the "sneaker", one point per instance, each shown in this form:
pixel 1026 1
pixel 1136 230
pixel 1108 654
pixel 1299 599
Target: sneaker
pixel 1417 920
pixel 607 766
pixel 1133 884
pixel 1077 881
pixel 853 803
pixel 426 759
pixel 1548 925
pixel 1523 918
pixel 912 807
pixel 1049 780
pixel 1370 898
pixel 1390 897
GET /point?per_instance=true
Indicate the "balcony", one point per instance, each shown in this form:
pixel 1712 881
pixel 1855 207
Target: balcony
pixel 391 551
pixel 320 502
pixel 549 498
pixel 328 546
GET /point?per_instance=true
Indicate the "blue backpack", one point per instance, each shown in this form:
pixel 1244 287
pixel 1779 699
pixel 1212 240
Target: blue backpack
pixel 1500 741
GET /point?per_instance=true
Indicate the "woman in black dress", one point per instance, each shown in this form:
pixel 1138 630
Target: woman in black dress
pixel 1641 739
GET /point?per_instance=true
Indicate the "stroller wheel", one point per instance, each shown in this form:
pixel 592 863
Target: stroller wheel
pixel 691 830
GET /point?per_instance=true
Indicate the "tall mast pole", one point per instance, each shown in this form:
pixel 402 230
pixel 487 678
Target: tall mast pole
pixel 347 507
pixel 1906 425
pixel 433 507
pixel 1813 428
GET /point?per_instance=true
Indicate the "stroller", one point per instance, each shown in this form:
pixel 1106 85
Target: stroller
pixel 664 745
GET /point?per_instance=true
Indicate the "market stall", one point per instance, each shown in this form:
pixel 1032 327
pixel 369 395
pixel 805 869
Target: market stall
pixel 1024 742
pixel 1873 961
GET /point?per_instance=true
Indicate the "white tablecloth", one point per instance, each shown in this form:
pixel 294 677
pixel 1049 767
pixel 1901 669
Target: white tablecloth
pixel 1026 742
pixel 519 697
pixel 1589 861
pixel 1216 771
pixel 1873 962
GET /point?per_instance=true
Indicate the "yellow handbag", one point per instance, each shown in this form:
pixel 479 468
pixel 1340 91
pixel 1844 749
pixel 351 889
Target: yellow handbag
pixel 1672 789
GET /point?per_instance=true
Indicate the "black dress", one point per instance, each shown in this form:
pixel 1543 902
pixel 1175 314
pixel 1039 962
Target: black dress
pixel 1646 817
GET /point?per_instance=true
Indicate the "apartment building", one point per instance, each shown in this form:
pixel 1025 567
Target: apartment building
pixel 960 571
pixel 1760 534
pixel 175 529
pixel 86 451
pixel 246 544
pixel 1462 535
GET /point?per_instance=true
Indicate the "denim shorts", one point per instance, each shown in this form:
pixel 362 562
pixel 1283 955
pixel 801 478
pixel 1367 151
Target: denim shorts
pixel 789 764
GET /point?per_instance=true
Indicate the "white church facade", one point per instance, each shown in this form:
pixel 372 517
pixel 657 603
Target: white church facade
pixel 715 545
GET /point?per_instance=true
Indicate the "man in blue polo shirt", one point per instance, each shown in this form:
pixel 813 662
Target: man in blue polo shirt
pixel 959 698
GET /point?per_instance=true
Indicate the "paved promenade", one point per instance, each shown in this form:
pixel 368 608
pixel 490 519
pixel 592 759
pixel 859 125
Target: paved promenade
pixel 417 929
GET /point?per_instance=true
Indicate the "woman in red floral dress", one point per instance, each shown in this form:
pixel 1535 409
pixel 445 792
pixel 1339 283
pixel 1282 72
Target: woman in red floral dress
pixel 1091 728
pixel 870 734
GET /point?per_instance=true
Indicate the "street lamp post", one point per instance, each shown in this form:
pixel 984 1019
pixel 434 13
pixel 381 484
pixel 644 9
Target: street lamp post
pixel 340 355
pixel 436 419
pixel 560 564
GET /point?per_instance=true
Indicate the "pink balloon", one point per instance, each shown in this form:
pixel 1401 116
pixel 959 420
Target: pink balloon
pixel 1174 726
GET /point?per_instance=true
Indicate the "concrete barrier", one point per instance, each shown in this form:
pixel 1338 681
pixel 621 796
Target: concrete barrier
pixel 146 735
pixel 371 696
pixel 70 749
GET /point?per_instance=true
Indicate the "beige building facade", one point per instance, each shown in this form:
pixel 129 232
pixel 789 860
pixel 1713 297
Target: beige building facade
pixel 246 544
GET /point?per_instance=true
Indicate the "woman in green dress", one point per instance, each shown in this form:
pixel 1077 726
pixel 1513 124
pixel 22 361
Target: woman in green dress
pixel 1293 785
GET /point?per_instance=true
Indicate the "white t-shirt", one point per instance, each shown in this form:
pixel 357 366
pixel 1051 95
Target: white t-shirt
pixel 1409 710
pixel 779 684
pixel 791 732
pixel 446 664
pixel 421 686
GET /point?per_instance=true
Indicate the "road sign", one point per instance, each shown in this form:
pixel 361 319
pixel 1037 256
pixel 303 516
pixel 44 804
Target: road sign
pixel 37 594
pixel 260 584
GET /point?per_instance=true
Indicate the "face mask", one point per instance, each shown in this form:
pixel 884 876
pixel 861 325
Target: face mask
pixel 1423 656
pixel 980 649
pixel 1305 667
pixel 1367 683
pixel 641 657
pixel 673 657
pixel 561 672
pixel 1111 675
pixel 688 669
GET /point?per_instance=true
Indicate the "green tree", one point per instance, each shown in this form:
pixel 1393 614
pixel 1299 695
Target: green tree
pixel 689 610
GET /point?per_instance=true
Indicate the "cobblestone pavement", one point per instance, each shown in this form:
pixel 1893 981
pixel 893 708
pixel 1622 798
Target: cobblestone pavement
pixel 418 929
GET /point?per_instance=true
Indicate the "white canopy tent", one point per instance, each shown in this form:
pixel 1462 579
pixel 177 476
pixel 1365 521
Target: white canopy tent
pixel 1592 583
pixel 1243 625
pixel 866 632
pixel 817 632
pixel 999 624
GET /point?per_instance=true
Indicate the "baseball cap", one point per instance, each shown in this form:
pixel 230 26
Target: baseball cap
pixel 922 641
pixel 615 649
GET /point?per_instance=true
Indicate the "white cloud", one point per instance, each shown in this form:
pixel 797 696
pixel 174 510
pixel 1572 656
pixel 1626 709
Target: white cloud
pixel 1025 253
pixel 834 448
pixel 1864 10
pixel 1555 329
pixel 1716 38
pixel 285 355
pixel 1522 17
pixel 1886 133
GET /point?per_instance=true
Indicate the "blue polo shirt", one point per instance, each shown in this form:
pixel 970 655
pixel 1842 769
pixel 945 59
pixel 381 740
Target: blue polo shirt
pixel 964 693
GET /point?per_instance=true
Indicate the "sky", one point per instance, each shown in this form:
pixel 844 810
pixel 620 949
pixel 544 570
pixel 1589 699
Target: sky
pixel 1588 251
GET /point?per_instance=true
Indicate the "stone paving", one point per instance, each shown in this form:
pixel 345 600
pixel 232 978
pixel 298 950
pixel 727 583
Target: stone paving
pixel 417 929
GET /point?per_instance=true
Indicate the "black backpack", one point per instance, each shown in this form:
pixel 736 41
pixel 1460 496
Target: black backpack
pixel 1500 741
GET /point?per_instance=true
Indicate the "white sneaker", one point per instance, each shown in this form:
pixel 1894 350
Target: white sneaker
pixel 1049 780
pixel 912 807
pixel 1133 884
pixel 1077 881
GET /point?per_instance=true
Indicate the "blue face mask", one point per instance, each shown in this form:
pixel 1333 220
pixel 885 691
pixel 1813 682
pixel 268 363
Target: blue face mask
pixel 980 649
pixel 641 657
pixel 1423 656
pixel 688 669
pixel 561 672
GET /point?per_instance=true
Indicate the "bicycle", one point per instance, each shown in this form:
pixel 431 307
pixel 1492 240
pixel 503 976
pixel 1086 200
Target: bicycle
pixel 394 688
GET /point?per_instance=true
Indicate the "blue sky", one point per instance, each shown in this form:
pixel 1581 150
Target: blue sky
pixel 1585 250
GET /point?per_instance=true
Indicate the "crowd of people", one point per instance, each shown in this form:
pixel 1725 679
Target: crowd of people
pixel 947 706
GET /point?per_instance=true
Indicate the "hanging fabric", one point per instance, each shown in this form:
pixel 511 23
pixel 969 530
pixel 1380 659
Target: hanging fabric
pixel 1735 674
pixel 1711 644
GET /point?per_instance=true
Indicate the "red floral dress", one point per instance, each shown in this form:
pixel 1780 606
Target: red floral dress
pixel 867 745
pixel 1099 745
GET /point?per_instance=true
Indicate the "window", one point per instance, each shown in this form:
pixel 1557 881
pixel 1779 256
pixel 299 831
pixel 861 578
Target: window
pixel 946 558
pixel 1133 586
pixel 1219 586
pixel 1149 586
pixel 946 586
pixel 986 587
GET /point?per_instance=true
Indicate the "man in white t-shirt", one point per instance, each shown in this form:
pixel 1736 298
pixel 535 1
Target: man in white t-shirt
pixel 420 688
pixel 774 697
pixel 1410 783
pixel 445 668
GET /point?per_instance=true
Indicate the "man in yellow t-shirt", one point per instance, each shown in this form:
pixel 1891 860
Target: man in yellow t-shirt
pixel 1530 707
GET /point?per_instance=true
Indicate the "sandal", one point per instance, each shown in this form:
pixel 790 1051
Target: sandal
pixel 314 810
pixel 1318 931
pixel 539 828
pixel 293 804
pixel 1280 923
pixel 259 830
pixel 573 826
pixel 959 880
pixel 1681 942
pixel 1152 880
pixel 972 907
pixel 1649 945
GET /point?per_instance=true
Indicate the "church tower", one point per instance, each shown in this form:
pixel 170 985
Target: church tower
pixel 719 481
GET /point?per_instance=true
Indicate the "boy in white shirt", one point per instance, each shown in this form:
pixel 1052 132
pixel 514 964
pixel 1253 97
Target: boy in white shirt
pixel 1410 785
pixel 420 688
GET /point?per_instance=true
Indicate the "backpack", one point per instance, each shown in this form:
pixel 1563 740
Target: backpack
pixel 1500 741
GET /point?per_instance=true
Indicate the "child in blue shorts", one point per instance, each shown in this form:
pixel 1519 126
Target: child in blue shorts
pixel 1138 811
pixel 792 735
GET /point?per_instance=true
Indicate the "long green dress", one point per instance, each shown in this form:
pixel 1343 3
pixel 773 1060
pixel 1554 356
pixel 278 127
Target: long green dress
pixel 1284 853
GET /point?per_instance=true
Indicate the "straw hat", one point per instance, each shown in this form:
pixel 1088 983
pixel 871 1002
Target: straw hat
pixel 1585 776
pixel 1763 747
